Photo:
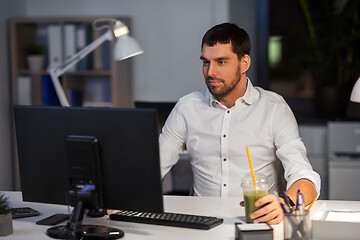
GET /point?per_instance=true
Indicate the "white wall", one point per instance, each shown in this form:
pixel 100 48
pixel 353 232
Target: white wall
pixel 170 32
pixel 7 9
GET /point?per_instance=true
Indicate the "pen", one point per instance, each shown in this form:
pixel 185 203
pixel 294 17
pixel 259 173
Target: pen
pixel 285 207
pixel 301 204
pixel 285 199
pixel 297 199
pixel 288 205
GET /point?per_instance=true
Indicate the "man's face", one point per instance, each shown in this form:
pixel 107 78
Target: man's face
pixel 221 69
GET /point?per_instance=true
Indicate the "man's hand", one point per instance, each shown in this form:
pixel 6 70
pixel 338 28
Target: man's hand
pixel 271 212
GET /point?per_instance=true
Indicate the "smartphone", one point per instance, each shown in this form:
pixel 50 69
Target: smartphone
pixel 53 219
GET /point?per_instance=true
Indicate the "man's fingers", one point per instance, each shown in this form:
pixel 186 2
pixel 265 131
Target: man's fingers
pixel 264 200
pixel 271 212
pixel 272 217
pixel 267 209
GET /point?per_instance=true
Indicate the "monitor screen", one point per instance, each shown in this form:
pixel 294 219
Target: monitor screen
pixel 163 109
pixel 127 146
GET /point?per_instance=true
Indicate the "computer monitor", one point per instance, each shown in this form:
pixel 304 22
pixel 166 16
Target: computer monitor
pixel 65 151
pixel 163 109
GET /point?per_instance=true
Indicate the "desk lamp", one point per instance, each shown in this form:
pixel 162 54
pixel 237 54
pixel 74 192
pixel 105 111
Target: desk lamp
pixel 125 47
pixel 355 93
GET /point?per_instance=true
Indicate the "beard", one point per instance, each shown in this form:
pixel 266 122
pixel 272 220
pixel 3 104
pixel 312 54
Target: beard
pixel 225 88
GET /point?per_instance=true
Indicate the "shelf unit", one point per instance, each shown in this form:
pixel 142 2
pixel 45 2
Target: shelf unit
pixel 24 31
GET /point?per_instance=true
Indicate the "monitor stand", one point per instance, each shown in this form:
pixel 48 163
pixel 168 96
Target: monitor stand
pixel 75 230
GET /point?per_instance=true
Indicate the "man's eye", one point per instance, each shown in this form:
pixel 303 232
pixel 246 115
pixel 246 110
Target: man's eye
pixel 221 62
pixel 205 63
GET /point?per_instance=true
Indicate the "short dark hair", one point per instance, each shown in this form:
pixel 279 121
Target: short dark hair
pixel 228 33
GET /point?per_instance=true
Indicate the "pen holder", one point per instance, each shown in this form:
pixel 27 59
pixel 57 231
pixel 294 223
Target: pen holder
pixel 297 226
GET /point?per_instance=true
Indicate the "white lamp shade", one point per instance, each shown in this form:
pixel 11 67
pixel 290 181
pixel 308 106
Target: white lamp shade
pixel 126 47
pixel 355 94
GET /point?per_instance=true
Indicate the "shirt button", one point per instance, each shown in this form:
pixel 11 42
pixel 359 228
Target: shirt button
pixel 224 185
pixel 224 135
pixel 224 159
pixel 228 111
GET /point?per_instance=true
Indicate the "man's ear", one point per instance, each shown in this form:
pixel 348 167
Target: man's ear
pixel 245 63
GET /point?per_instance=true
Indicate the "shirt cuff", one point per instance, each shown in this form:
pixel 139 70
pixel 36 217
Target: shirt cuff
pixel 312 176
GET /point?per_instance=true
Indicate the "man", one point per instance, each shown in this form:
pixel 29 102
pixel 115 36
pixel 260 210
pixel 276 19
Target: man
pixel 215 126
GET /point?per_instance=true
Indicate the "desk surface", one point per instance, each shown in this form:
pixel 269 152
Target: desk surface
pixel 226 208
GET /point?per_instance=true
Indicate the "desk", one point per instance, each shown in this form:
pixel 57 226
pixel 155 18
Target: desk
pixel 226 208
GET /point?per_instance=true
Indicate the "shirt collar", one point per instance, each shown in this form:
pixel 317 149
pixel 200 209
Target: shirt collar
pixel 250 97
pixel 211 99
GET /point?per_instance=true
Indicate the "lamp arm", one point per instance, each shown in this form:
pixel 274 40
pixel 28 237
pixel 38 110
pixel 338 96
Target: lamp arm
pixel 59 90
pixel 57 71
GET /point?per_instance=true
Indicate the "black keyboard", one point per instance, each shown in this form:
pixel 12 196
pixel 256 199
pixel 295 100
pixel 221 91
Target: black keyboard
pixel 23 212
pixel 168 219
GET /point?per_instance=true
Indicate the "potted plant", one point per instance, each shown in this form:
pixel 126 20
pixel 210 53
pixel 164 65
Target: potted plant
pixel 35 57
pixel 6 226
pixel 331 51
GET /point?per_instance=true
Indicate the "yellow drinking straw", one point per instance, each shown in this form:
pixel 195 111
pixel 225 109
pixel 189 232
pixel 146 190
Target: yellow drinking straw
pixel 251 169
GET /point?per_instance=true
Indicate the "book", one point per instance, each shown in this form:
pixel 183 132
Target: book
pixel 97 92
pixel 106 55
pixel 50 97
pixel 83 38
pixel 69 43
pixel 97 56
pixel 75 97
pixel 54 45
pixel 23 90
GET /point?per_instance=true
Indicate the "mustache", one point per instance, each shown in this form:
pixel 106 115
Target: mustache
pixel 214 78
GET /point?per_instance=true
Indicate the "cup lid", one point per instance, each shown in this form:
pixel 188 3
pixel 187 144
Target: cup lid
pixel 260 179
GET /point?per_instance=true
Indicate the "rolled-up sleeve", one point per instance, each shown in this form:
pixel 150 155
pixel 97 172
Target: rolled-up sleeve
pixel 291 150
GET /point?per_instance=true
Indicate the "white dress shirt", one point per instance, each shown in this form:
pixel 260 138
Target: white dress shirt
pixel 216 138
